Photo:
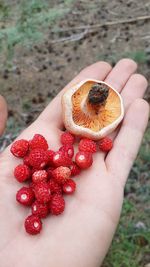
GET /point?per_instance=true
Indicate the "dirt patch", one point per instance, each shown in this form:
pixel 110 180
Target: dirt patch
pixel 38 73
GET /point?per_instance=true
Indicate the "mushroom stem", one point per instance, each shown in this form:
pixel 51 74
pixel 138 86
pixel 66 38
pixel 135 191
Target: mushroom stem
pixel 98 94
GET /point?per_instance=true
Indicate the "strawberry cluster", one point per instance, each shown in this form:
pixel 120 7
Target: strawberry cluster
pixel 48 174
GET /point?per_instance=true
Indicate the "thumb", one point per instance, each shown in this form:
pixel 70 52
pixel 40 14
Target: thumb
pixel 3 114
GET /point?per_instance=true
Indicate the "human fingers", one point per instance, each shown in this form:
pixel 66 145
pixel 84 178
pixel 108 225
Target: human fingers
pixel 126 145
pixel 116 77
pixel 3 114
pixel 119 77
pixel 121 73
pixel 51 118
pixel 135 88
pixel 53 112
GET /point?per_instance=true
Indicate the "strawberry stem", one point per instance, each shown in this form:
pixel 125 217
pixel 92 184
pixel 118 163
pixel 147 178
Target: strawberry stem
pixel 98 94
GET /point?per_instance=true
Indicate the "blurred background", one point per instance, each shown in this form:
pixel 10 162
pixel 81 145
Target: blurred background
pixel 43 45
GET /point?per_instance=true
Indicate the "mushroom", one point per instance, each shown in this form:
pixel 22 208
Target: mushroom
pixel 92 109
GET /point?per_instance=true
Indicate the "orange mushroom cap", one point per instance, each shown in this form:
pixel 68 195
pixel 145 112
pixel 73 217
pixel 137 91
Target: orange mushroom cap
pixel 92 109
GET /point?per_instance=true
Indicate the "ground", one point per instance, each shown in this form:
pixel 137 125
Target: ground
pixel 42 47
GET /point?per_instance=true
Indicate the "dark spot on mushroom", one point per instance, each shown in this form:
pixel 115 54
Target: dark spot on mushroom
pixel 98 94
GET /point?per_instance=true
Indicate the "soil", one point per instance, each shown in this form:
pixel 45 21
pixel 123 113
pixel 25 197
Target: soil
pixel 41 71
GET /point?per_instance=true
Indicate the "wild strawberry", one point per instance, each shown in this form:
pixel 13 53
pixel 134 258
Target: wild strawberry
pixel 25 196
pixel 50 172
pixel 61 174
pixel 54 187
pixel 32 185
pixel 60 159
pixel 33 170
pixel 22 173
pixel 38 141
pixel 42 192
pixel 87 145
pixel 57 205
pixel 67 138
pixel 39 176
pixel 84 159
pixel 40 209
pixel 69 187
pixel 20 148
pixel 75 170
pixel 68 150
pixel 33 225
pixel 26 160
pixel 50 155
pixel 38 158
pixel 105 144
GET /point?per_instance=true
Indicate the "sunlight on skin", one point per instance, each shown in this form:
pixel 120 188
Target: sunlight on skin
pixel 82 235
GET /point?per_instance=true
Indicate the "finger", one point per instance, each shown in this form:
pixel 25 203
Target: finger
pixel 135 88
pixel 126 145
pixel 53 112
pixel 121 73
pixel 3 114
pixel 118 78
pixel 51 117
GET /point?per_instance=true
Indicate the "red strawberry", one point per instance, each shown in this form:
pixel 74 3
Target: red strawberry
pixel 50 155
pixel 25 196
pixel 57 205
pixel 38 141
pixel 33 225
pixel 87 145
pixel 67 138
pixel 26 160
pixel 20 148
pixel 69 187
pixel 75 170
pixel 39 209
pixel 32 185
pixel 42 192
pixel 61 174
pixel 105 144
pixel 39 176
pixel 68 150
pixel 60 159
pixel 38 158
pixel 50 172
pixel 54 187
pixel 84 159
pixel 22 173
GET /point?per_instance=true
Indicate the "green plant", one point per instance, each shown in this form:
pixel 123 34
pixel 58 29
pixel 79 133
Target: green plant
pixel 30 23
pixel 139 56
pixel 130 242
pixel 4 10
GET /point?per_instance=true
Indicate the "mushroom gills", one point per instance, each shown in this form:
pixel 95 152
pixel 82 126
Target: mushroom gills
pixel 93 108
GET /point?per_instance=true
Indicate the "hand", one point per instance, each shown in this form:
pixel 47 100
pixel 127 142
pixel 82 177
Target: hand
pixel 82 235
pixel 3 114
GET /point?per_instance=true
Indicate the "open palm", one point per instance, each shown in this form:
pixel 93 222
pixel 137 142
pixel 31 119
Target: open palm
pixel 82 235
